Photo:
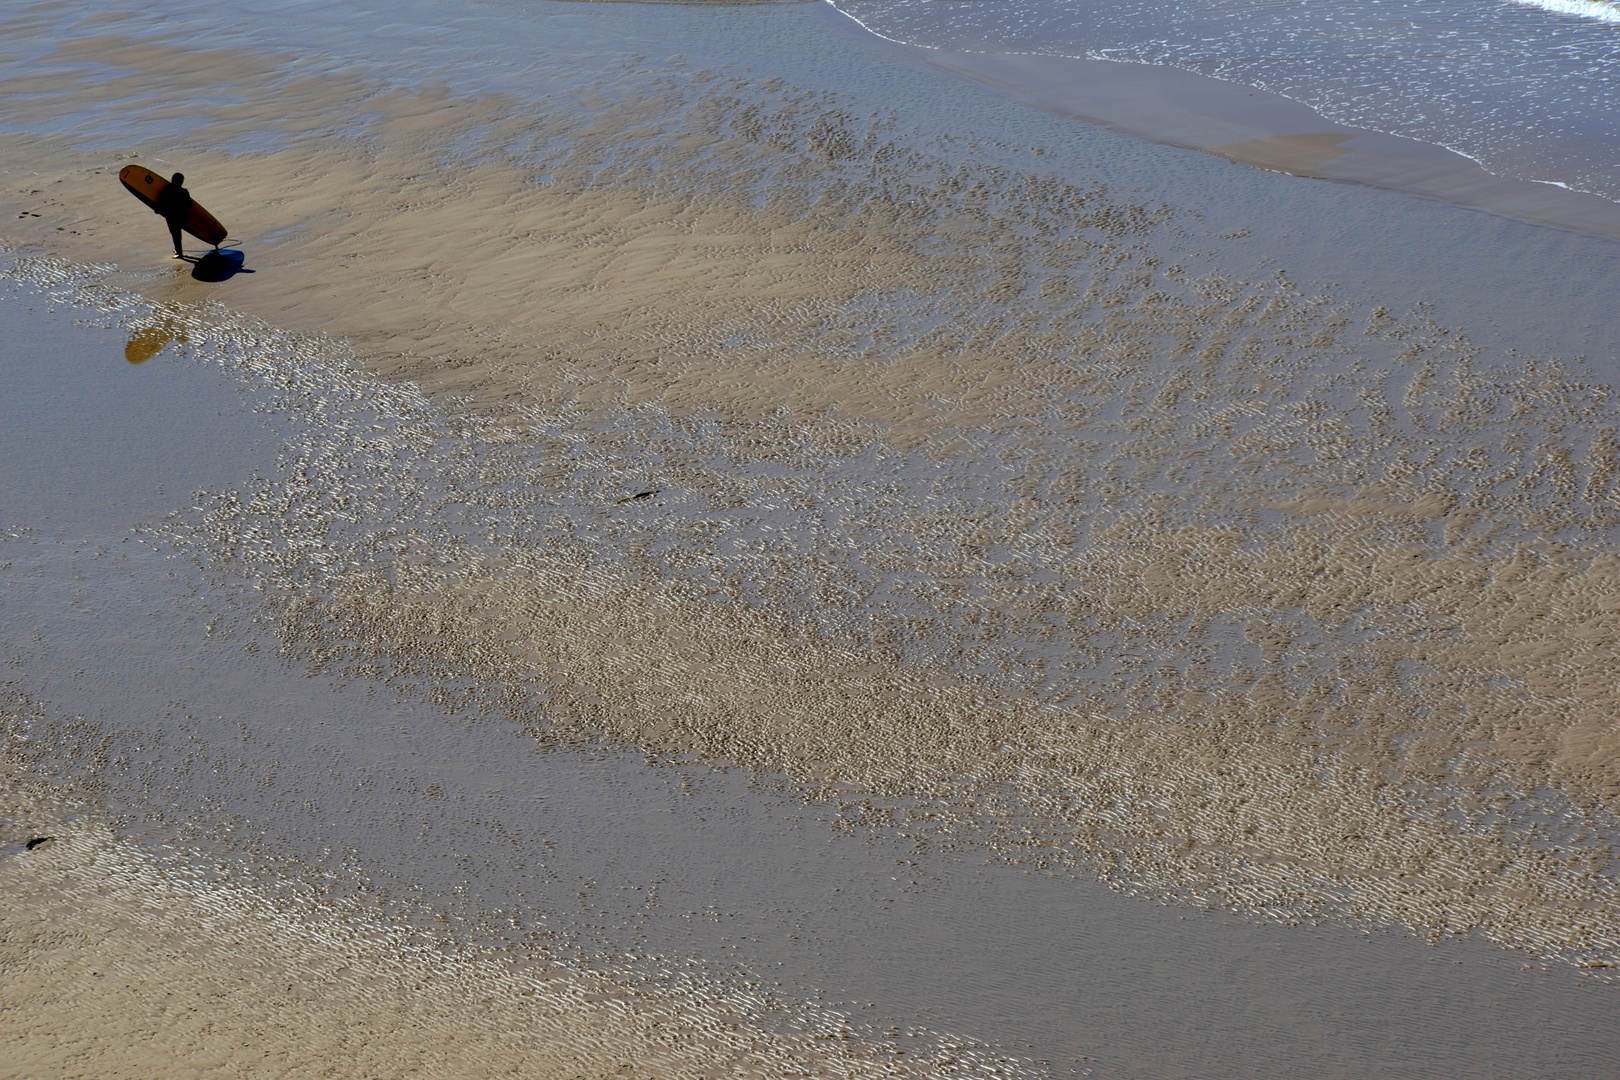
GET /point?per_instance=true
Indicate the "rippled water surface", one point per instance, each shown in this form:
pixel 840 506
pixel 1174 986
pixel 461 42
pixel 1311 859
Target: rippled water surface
pixel 689 491
pixel 224 747
pixel 1526 89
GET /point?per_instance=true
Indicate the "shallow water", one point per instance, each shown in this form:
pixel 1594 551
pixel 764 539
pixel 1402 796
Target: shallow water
pixel 327 72
pixel 221 746
pixel 435 661
pixel 93 442
pixel 1524 88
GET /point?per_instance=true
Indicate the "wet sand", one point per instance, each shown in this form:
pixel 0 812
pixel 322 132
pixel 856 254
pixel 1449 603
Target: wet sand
pixel 158 920
pixel 332 811
pixel 113 966
pixel 990 499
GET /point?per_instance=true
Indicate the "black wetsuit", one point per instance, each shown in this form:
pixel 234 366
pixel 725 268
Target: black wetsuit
pixel 174 204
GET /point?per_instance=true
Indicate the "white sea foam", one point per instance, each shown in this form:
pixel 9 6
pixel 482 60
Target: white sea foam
pixel 1586 9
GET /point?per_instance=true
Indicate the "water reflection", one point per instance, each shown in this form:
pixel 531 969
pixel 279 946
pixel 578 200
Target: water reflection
pixel 146 342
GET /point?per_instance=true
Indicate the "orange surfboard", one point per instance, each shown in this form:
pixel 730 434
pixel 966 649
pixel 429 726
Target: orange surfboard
pixel 146 186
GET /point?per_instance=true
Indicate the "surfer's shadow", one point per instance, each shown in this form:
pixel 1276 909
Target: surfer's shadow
pixel 219 265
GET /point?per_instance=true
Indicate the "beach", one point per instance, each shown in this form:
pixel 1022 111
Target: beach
pixel 703 540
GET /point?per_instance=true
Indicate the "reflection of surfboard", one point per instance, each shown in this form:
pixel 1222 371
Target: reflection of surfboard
pixel 148 341
pixel 147 186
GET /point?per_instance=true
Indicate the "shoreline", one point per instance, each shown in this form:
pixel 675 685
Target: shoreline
pixel 1261 130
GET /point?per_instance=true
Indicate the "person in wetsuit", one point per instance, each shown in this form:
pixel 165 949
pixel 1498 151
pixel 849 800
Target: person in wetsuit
pixel 174 204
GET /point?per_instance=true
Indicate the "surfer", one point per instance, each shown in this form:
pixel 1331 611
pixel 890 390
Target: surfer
pixel 174 203
pixel 170 200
